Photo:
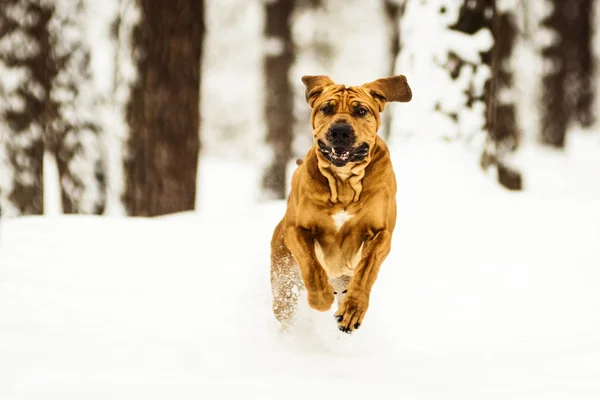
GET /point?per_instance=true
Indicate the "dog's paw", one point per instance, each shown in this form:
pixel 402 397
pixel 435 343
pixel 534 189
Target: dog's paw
pixel 321 300
pixel 351 312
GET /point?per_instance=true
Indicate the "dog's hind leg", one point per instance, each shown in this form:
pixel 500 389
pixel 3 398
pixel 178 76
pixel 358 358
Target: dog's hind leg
pixel 286 281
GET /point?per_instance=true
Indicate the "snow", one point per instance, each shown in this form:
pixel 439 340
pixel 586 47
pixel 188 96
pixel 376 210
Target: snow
pixel 232 84
pixel 220 191
pixel 486 294
pixel 572 173
pixel 52 195
pixel 451 104
pixel 113 71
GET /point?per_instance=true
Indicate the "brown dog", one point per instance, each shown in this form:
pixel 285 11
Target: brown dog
pixel 341 211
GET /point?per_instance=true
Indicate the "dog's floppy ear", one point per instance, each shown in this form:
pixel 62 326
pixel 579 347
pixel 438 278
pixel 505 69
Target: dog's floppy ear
pixel 314 87
pixel 386 90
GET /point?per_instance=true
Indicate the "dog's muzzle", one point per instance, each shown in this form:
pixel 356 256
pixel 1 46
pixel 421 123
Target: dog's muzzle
pixel 339 147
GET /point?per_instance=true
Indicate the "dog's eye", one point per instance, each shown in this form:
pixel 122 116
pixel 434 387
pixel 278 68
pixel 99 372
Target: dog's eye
pixel 360 111
pixel 327 109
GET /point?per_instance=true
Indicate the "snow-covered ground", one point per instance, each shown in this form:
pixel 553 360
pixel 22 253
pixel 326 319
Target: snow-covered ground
pixel 485 295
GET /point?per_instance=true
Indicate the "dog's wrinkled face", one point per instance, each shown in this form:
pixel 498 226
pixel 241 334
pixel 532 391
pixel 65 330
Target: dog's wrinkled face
pixel 345 120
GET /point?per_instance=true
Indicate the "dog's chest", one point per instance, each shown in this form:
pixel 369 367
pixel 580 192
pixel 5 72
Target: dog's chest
pixel 345 193
pixel 340 218
pixel 339 252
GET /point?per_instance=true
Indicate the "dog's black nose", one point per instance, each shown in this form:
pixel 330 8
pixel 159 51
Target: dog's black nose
pixel 341 132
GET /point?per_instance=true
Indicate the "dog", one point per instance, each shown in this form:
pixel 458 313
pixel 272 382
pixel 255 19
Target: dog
pixel 341 210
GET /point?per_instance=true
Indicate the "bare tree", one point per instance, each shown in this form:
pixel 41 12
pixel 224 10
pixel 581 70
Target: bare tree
pixel 580 83
pixel 51 106
pixel 503 130
pixel 555 109
pixel 500 116
pixel 568 80
pixel 24 102
pixel 73 130
pixel 279 106
pixel 163 113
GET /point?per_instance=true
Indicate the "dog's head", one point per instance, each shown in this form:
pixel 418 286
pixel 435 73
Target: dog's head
pixel 345 120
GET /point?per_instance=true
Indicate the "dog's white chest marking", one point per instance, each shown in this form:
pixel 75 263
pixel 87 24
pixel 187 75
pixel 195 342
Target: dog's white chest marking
pixel 333 258
pixel 340 219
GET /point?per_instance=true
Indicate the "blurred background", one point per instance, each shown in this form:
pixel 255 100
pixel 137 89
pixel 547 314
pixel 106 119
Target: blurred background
pixel 146 108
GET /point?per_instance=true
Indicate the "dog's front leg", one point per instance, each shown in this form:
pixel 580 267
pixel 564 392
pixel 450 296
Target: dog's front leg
pixel 302 245
pixel 351 312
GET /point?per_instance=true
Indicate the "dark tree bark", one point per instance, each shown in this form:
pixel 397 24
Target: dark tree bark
pixel 501 124
pixel 555 107
pixel 580 85
pixel 502 119
pixel 163 113
pixel 26 142
pixel 279 109
pixel 501 115
pixel 568 85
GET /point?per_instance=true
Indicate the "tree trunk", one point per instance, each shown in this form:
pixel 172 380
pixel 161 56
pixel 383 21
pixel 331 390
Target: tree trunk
pixel 73 128
pixel 501 113
pixel 279 110
pixel 500 118
pixel 568 83
pixel 51 108
pixel 25 104
pixel 555 108
pixel 163 113
pixel 580 60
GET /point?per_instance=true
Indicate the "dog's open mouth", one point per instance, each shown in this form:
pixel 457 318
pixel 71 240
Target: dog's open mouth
pixel 340 156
